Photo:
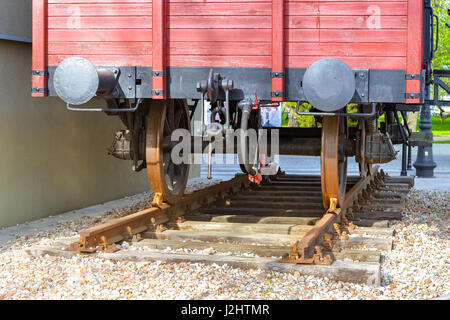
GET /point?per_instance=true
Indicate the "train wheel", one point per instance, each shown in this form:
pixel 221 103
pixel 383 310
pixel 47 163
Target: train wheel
pixel 333 160
pixel 166 177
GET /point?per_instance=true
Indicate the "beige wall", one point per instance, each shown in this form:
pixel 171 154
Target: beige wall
pixel 15 18
pixel 52 160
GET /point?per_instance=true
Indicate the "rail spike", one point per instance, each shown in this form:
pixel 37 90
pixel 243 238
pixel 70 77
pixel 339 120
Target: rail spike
pixel 319 259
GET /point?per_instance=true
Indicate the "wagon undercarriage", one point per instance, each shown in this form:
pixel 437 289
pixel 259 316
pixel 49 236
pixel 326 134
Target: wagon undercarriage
pixel 157 62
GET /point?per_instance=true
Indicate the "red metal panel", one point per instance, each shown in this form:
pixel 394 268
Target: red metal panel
pixel 39 46
pixel 159 48
pixel 278 50
pixel 414 57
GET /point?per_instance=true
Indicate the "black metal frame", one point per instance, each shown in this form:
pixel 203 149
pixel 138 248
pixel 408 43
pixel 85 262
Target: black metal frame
pixel 372 85
pixel 438 83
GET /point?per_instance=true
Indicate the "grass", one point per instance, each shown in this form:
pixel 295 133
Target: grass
pixel 442 142
pixel 440 129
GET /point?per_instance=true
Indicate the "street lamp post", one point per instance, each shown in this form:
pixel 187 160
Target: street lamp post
pixel 424 163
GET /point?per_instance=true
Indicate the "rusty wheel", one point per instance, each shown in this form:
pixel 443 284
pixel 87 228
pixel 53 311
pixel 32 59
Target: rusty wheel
pixel 164 175
pixel 333 160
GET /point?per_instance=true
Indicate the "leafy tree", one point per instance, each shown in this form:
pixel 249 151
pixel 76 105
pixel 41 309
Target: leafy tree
pixel 441 59
pixel 442 56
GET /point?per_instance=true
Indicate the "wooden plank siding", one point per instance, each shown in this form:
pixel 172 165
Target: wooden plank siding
pixel 39 50
pixel 106 32
pixel 415 46
pixel 346 30
pixel 238 33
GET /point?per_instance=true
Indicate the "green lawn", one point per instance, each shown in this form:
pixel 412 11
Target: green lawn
pixel 440 129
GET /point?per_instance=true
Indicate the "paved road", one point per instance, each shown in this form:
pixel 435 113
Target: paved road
pixel 311 165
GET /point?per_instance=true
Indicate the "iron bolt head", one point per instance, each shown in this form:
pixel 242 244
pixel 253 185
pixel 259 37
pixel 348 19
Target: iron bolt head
pixel 129 75
pixel 130 88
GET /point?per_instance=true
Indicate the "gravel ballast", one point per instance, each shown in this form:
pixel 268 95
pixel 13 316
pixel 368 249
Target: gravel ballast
pixel 416 268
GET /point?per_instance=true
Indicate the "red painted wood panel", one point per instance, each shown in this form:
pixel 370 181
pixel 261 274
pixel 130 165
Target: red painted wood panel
pixel 111 22
pixel 278 44
pixel 39 50
pixel 107 60
pixel 100 9
pixel 353 62
pixel 224 35
pixel 346 35
pixel 220 9
pixel 345 22
pixel 295 49
pixel 220 22
pixel 99 1
pixel 107 35
pixel 220 61
pixel 230 32
pixel 234 35
pixel 293 22
pixel 220 48
pixel 159 48
pixel 344 8
pixel 109 48
pixel 415 46
pixel 361 49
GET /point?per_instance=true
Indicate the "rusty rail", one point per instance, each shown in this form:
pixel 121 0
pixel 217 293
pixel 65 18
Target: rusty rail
pixel 104 236
pixel 332 225
pixel 309 249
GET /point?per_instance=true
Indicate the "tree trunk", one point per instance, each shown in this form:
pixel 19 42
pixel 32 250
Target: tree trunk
pixel 412 121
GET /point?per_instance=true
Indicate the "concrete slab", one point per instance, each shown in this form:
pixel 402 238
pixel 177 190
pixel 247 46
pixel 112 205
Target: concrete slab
pixel 45 224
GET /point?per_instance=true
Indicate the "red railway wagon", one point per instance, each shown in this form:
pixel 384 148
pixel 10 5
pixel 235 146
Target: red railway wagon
pixel 153 61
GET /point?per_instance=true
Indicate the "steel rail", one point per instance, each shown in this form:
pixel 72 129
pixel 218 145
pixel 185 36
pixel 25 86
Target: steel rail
pixel 305 250
pixel 105 236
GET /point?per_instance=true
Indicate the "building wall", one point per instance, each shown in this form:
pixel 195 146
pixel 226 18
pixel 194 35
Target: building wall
pixel 53 160
pixel 15 18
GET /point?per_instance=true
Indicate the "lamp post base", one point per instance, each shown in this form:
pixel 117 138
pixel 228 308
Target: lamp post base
pixel 424 164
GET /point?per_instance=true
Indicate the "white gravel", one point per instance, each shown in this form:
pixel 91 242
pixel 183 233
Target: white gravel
pixel 417 267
